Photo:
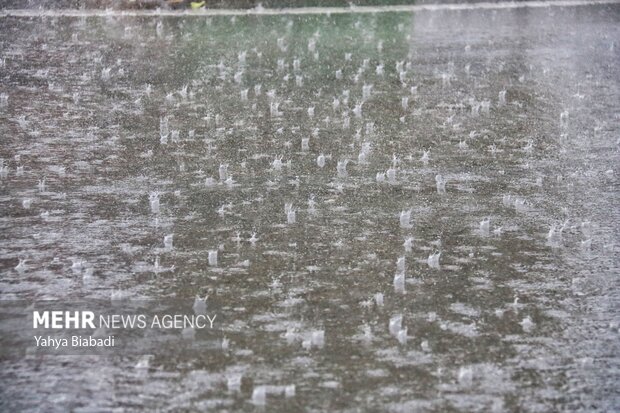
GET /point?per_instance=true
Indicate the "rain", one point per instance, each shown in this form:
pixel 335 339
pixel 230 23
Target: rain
pixel 396 207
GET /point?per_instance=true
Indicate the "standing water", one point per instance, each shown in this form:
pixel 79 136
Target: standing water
pixel 449 238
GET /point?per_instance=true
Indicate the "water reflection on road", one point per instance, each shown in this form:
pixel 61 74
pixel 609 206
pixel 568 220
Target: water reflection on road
pixel 398 212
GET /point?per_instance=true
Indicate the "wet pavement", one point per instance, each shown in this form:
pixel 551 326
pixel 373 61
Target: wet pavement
pixel 411 211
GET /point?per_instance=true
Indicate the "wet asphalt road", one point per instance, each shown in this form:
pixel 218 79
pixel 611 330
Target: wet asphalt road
pixel 457 250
